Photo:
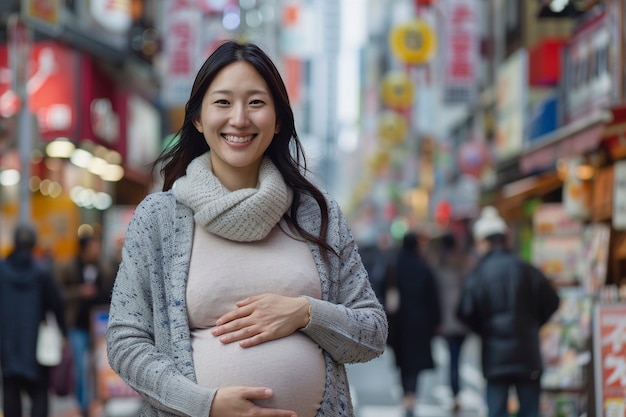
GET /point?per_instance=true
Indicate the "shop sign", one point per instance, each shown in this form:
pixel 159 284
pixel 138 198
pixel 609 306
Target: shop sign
pixel 610 359
pixel 50 87
pixel 112 16
pixel 47 13
pixel 143 132
pixel 414 42
pixel 511 102
pixel 462 39
pixel 182 46
pixel 587 79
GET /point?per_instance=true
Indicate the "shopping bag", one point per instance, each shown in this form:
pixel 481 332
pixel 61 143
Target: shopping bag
pixel 49 342
pixel 62 375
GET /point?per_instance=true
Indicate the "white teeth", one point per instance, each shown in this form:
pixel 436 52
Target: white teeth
pixel 238 139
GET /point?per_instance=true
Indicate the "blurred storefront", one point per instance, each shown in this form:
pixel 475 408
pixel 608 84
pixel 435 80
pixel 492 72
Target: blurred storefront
pixel 86 88
pixel 557 186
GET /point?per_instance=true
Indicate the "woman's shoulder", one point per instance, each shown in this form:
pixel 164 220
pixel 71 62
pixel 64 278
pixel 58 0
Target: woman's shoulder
pixel 158 205
pixel 157 198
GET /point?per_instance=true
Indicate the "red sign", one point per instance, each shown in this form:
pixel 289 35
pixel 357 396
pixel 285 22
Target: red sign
pixel 103 107
pixel 51 87
pixel 181 50
pixel 462 40
pixel 545 63
pixel 610 356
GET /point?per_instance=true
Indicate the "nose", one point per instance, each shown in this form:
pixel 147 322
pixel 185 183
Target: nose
pixel 239 115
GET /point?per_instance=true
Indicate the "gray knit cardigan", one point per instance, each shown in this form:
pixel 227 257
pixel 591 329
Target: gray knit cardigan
pixel 148 338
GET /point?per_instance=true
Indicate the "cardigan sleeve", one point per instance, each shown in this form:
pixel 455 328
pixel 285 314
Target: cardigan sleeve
pixel 350 324
pixel 139 308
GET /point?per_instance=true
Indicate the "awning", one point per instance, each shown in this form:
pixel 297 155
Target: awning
pixel 575 139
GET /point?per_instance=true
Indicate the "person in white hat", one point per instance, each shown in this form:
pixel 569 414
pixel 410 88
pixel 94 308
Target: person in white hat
pixel 505 301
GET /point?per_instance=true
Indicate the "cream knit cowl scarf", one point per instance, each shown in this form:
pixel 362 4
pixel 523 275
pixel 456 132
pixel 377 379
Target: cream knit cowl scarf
pixel 243 215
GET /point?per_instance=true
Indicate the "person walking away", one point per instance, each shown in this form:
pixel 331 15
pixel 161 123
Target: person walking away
pixel 375 258
pixel 451 269
pixel 417 318
pixel 27 292
pixel 84 280
pixel 506 300
pixel 241 290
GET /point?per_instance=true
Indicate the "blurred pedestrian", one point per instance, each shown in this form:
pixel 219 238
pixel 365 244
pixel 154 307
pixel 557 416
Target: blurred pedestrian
pixel 376 257
pixel 241 290
pixel 506 300
pixel 86 284
pixel 417 319
pixel 451 268
pixel 28 292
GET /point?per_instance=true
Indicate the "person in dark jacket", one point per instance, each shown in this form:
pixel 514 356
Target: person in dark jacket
pixel 27 292
pixel 505 301
pixel 417 318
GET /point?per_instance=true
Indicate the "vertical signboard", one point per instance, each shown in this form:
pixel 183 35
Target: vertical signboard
pixel 461 40
pixel 587 80
pixel 511 103
pixel 610 359
pixel 181 49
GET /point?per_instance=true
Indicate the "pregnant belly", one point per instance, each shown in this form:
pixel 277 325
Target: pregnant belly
pixel 292 366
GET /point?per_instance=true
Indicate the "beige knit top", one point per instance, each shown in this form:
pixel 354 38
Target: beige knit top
pixel 223 272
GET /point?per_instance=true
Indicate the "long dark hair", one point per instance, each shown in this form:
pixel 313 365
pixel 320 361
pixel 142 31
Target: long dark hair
pixel 285 151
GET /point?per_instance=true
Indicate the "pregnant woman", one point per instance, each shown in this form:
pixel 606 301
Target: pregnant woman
pixel 240 291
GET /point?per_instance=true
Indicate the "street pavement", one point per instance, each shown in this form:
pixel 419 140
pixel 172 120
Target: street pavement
pixel 377 392
pixel 375 386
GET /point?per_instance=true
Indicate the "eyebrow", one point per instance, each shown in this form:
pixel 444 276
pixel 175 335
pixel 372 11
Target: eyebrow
pixel 250 92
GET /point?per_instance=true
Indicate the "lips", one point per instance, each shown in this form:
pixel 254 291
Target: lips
pixel 238 139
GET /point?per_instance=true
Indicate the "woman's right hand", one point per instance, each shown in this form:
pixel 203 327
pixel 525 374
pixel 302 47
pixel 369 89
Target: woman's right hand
pixel 237 401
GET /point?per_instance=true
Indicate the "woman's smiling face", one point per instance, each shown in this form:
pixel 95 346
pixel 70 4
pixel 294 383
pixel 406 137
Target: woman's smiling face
pixel 238 122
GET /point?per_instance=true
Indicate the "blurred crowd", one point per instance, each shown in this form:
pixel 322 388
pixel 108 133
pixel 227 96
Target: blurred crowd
pixel 446 286
pixel 31 285
pixel 449 286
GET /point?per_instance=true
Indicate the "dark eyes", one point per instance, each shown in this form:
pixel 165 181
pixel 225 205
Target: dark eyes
pixel 225 102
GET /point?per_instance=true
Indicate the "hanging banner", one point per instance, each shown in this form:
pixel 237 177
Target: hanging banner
pixel 609 341
pixel 181 50
pixel 511 104
pixel 461 39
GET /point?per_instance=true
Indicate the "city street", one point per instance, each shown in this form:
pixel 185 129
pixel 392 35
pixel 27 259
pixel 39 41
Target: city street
pixel 377 392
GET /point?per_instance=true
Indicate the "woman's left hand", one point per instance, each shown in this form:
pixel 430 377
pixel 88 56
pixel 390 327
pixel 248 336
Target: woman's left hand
pixel 262 318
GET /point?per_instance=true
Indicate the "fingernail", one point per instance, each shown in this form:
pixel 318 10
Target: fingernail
pixel 268 392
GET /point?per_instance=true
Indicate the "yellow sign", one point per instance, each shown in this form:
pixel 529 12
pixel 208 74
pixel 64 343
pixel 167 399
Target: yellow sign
pixel 392 127
pixel 414 42
pixel 397 90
